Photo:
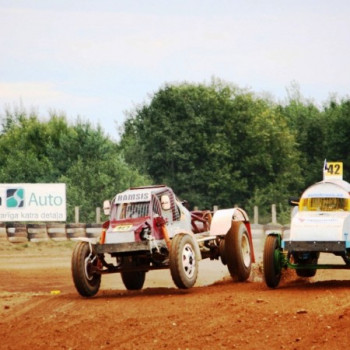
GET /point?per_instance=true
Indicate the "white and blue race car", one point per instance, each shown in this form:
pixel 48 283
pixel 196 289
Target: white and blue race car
pixel 320 223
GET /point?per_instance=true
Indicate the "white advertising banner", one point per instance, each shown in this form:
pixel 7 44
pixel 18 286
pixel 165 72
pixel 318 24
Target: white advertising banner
pixel 32 202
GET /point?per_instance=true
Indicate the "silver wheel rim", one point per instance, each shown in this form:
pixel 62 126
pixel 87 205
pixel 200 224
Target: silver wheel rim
pixel 245 248
pixel 188 260
pixel 87 268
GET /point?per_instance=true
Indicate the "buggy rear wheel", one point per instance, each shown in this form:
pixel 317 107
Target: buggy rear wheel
pixel 86 281
pixel 133 280
pixel 237 252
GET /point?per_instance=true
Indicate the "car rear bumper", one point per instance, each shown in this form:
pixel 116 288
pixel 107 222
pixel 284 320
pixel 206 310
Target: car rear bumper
pixel 315 246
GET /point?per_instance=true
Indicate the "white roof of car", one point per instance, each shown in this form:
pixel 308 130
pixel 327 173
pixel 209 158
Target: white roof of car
pixel 330 189
pixel 132 196
pixel 139 194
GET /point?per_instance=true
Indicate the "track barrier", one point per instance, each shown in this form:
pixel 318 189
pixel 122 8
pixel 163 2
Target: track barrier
pixel 21 233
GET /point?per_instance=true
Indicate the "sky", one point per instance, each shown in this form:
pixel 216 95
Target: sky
pixel 99 60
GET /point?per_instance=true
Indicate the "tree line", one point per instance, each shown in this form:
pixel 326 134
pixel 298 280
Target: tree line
pixel 214 144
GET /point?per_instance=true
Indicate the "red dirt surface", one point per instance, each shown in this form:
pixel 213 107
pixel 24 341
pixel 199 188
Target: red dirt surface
pixel 40 308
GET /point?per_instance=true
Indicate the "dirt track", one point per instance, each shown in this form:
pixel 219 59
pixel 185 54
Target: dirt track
pixel 40 309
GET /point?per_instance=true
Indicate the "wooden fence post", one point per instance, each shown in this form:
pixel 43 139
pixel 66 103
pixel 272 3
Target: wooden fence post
pixel 256 215
pixel 76 213
pixel 274 214
pixel 98 215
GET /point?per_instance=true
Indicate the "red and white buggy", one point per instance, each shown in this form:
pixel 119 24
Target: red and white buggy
pixel 149 228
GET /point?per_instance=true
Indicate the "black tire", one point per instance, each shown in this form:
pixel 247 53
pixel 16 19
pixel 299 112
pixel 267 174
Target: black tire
pixel 307 272
pixel 133 280
pixel 237 252
pixel 222 251
pixel 86 282
pixel 272 270
pixel 183 261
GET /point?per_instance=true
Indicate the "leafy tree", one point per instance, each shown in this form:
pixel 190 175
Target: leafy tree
pixel 337 115
pixel 79 155
pixel 213 144
pixel 22 144
pixel 309 127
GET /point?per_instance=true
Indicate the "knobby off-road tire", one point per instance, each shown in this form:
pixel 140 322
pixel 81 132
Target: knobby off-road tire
pixel 86 282
pixel 133 280
pixel 307 272
pixel 272 269
pixel 237 252
pixel 183 261
pixel 222 251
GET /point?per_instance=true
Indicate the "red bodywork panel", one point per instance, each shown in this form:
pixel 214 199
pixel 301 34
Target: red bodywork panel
pixel 137 225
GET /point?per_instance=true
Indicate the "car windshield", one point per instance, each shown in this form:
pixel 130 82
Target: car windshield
pixel 130 210
pixel 324 204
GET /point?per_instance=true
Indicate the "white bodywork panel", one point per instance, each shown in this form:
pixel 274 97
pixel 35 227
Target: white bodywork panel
pixel 320 226
pixel 334 189
pixel 183 225
pixel 134 196
pixel 119 237
pixel 222 219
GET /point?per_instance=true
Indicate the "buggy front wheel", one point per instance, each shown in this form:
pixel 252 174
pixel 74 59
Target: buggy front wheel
pixel 183 261
pixel 86 280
